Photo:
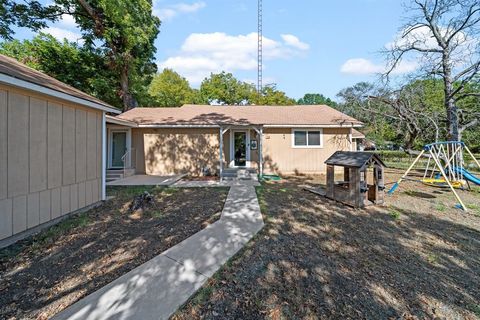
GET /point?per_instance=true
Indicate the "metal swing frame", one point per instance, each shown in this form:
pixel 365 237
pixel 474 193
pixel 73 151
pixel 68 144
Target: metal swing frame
pixel 449 151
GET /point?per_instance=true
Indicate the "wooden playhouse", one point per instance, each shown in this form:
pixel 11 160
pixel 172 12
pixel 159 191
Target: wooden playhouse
pixel 362 182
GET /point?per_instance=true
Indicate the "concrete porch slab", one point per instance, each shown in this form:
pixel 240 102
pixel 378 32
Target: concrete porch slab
pixel 147 180
pixel 225 183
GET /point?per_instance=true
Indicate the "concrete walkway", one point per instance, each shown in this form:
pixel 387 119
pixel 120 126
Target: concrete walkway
pixel 147 180
pixel 156 289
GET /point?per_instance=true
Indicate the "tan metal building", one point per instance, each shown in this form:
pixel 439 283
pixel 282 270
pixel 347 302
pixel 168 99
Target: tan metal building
pixel 52 138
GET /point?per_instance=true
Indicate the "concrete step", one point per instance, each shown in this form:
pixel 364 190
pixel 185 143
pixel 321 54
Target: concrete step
pixel 114 174
pixel 240 174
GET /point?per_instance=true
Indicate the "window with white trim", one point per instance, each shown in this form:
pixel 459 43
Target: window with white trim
pixel 307 138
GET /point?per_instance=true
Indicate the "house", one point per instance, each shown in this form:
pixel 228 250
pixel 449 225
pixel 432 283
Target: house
pixel 52 138
pixel 203 139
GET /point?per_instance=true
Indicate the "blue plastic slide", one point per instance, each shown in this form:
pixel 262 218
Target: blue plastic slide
pixel 468 176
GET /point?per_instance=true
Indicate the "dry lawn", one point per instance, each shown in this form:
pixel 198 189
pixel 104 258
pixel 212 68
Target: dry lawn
pixel 415 258
pixel 42 275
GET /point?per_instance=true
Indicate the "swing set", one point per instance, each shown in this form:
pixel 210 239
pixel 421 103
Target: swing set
pixel 445 168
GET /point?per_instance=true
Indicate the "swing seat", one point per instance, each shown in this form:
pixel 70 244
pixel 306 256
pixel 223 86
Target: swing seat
pixel 441 183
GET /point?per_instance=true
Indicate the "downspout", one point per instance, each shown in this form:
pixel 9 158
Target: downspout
pixel 350 138
pixel 104 157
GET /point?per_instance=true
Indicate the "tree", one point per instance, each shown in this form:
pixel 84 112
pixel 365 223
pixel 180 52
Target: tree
pixel 409 115
pixel 316 99
pixel 171 90
pixel 125 30
pixel 24 14
pixel 223 88
pixel 445 34
pixel 68 62
pixel 271 97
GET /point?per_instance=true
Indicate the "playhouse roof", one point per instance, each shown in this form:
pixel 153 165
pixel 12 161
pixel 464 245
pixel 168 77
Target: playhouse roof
pixel 353 159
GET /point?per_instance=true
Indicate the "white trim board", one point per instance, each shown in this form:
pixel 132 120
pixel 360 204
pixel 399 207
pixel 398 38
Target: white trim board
pixel 121 122
pixel 128 143
pixel 8 80
pixel 248 161
pixel 306 137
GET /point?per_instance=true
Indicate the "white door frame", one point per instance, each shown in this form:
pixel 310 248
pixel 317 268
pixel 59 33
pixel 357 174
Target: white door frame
pixel 128 142
pixel 232 148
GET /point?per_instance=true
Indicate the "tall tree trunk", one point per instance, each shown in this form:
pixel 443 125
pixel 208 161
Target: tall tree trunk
pixel 128 100
pixel 450 106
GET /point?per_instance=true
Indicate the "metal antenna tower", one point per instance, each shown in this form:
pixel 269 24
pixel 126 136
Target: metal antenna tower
pixel 260 48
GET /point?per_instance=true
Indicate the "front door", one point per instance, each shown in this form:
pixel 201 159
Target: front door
pixel 240 148
pixel 119 147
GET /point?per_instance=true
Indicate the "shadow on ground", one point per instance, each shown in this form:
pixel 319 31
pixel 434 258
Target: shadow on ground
pixel 43 275
pixel 316 258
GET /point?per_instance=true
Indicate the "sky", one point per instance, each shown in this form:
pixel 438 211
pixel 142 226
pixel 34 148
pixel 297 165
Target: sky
pixel 310 46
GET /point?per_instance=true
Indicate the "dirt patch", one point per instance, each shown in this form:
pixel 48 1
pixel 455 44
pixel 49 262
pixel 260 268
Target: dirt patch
pixel 43 275
pixel 416 258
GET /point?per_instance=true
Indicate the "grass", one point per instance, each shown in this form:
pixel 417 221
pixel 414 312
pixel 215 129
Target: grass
pixel 476 310
pixel 410 193
pixel 441 207
pixel 261 199
pixel 432 258
pixel 475 208
pixel 169 190
pixel 394 213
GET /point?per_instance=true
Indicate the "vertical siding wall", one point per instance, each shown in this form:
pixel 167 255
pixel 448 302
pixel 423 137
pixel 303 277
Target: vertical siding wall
pixel 280 157
pixel 50 159
pixel 174 151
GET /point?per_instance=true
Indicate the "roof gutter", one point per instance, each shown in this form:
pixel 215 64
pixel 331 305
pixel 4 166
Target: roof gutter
pixel 8 80
pixel 350 125
pixel 121 122
pixel 250 125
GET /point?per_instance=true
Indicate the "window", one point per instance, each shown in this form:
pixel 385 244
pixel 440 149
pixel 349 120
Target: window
pixel 307 138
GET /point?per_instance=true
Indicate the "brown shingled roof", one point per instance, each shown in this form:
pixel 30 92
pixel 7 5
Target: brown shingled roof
pixel 13 68
pixel 204 115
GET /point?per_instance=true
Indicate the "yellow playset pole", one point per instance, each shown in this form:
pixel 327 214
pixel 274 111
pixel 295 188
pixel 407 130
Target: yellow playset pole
pixel 439 165
pixel 395 186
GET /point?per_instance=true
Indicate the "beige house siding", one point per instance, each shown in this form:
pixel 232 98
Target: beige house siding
pixel 50 159
pixel 280 157
pixel 174 151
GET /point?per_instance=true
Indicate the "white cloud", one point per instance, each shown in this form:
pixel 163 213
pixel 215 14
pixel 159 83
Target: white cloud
pixel 361 66
pixel 67 21
pixel 293 41
pixel 171 11
pixel 204 53
pixel 60 34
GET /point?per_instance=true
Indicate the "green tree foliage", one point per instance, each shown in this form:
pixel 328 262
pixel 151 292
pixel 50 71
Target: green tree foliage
pixel 378 127
pixel 223 88
pixel 316 99
pixel 68 62
pixel 169 89
pixel 23 14
pixel 453 27
pixel 123 30
pixel 412 115
pixel 271 97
